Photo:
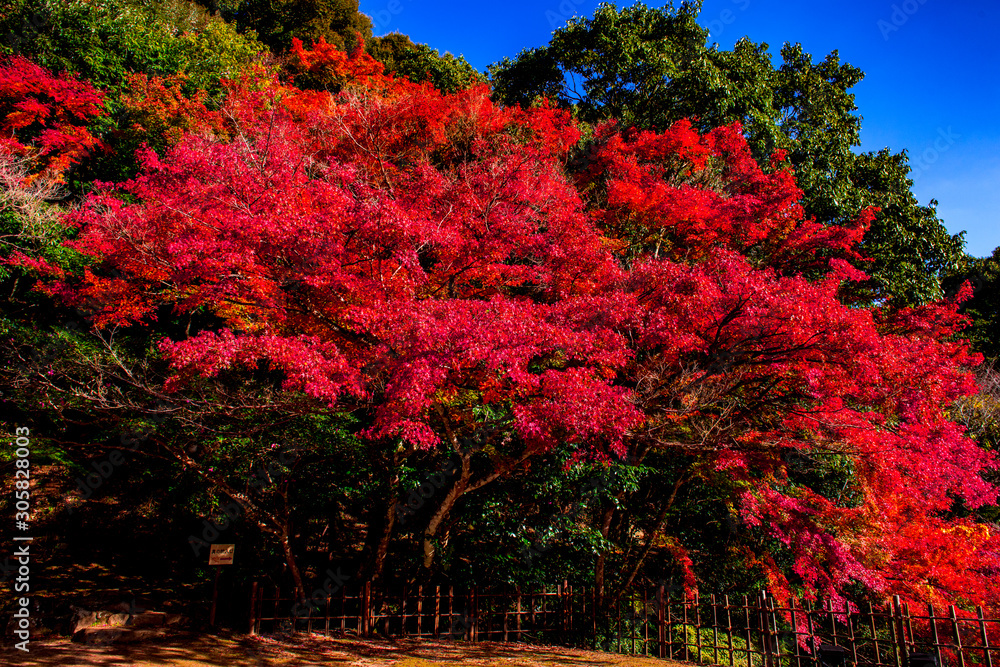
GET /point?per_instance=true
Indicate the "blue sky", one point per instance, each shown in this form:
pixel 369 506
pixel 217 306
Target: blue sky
pixel 932 67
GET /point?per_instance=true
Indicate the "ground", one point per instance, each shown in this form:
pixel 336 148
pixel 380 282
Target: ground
pixel 231 650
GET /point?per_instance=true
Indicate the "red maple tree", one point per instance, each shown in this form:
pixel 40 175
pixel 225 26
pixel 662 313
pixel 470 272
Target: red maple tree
pixel 419 256
pixel 44 117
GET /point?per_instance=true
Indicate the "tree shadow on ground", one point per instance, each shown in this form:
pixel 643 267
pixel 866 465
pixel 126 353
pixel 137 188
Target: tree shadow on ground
pixel 233 650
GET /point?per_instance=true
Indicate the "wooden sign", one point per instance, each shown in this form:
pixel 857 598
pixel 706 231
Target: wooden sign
pixel 221 554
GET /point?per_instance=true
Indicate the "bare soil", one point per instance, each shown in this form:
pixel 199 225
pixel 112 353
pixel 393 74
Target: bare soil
pixel 232 650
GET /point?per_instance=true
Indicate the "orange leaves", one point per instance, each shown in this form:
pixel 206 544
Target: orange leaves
pixel 159 107
pixel 327 67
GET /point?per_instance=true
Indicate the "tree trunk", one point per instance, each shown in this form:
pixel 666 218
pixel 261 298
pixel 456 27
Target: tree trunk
pixel 658 527
pixel 456 491
pixel 377 562
pixel 601 558
pixel 286 546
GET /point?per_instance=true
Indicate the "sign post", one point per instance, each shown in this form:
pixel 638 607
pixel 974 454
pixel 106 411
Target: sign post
pixel 220 554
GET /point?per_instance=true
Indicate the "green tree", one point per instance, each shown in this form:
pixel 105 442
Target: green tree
pixel 276 22
pixel 648 67
pixel 103 42
pixel 419 62
pixel 983 274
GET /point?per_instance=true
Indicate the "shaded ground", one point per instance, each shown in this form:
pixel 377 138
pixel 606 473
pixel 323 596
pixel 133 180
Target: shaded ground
pixel 244 651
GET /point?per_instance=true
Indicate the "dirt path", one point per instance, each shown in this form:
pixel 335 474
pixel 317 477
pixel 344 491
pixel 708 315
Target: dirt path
pixel 245 651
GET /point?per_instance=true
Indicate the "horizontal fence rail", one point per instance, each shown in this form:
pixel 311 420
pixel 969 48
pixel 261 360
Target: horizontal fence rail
pixel 744 631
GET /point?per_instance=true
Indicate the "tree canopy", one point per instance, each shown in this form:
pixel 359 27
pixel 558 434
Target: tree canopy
pixel 650 67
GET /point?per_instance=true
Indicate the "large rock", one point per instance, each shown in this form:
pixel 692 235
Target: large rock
pixel 178 620
pixel 103 635
pixel 148 619
pixel 81 618
pixel 111 618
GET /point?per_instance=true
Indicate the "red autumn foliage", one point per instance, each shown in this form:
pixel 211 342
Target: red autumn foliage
pixel 423 254
pixel 159 109
pixel 45 117
pixel 327 67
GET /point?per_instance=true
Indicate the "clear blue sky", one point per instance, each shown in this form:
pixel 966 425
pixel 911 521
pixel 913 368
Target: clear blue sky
pixel 932 83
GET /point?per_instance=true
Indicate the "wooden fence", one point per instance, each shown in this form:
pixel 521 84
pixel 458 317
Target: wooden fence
pixel 716 630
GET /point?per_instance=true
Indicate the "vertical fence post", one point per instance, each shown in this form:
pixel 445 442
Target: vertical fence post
pixel 797 650
pixel 850 633
pixel 697 625
pixel 685 626
pixel 984 636
pixel 506 615
pixel 366 609
pixel 593 612
pixel 871 626
pixel 661 634
pixel 474 631
pixel 402 622
pixel 729 628
pixel 326 619
pixel 633 599
pixel 561 608
pixel 958 635
pixel 833 621
pixel 645 623
pixel 567 609
pixel 765 638
pixel 899 637
pixel 912 646
pixel 715 631
pixel 420 610
pixel 812 631
pixel 618 625
pixel 773 617
pixel 934 632
pixel 253 608
pixel 670 629
pixel 437 611
pixel 518 613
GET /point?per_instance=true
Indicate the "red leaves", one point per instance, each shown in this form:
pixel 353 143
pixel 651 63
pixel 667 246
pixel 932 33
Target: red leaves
pixel 45 117
pixel 315 368
pixel 330 68
pixel 421 256
pixel 679 194
pixel 159 108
